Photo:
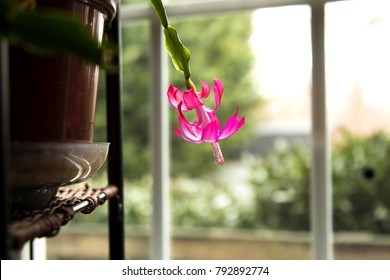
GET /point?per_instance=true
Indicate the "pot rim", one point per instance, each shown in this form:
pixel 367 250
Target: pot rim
pixel 107 7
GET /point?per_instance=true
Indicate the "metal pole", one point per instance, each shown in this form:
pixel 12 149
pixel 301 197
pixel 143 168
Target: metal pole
pixel 321 180
pixel 114 136
pixel 4 150
pixel 160 242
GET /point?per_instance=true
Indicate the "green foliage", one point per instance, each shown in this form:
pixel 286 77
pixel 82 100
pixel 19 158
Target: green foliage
pixel 361 176
pixel 194 203
pixel 179 53
pixel 281 184
pixel 361 186
pixel 207 203
pixel 135 100
pixel 159 7
pixel 138 208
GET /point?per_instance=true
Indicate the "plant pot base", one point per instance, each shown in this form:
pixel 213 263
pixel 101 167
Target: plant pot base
pixel 46 166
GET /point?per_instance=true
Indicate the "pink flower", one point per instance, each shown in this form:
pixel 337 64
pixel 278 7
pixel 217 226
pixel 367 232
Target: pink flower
pixel 206 127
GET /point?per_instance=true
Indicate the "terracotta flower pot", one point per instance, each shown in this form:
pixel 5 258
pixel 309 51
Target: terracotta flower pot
pixel 53 97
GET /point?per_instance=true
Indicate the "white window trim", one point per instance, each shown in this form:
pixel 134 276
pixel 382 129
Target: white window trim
pixel 320 177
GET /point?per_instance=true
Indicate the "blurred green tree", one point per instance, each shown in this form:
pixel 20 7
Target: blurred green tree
pixel 361 193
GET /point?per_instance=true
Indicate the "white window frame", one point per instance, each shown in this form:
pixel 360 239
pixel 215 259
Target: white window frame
pixel 320 177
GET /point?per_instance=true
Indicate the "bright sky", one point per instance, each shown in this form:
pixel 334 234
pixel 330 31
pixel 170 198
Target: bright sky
pixel 357 50
pixel 281 39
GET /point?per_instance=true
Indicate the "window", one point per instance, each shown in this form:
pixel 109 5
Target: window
pixel 280 167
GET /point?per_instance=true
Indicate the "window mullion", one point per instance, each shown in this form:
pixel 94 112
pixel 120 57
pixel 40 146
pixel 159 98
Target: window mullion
pixel 321 180
pixel 160 237
pixel 134 12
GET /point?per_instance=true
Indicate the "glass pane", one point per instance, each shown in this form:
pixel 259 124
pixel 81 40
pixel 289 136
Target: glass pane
pixel 263 60
pixel 358 67
pixel 136 157
pixel 136 149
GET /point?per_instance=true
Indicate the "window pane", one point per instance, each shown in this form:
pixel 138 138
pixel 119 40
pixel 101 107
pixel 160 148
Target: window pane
pixel 280 168
pixel 358 67
pixel 256 206
pixel 263 59
pixel 136 148
pixel 136 158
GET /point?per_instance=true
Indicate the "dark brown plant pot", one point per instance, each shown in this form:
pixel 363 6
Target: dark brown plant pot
pixel 53 97
pixel 53 100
